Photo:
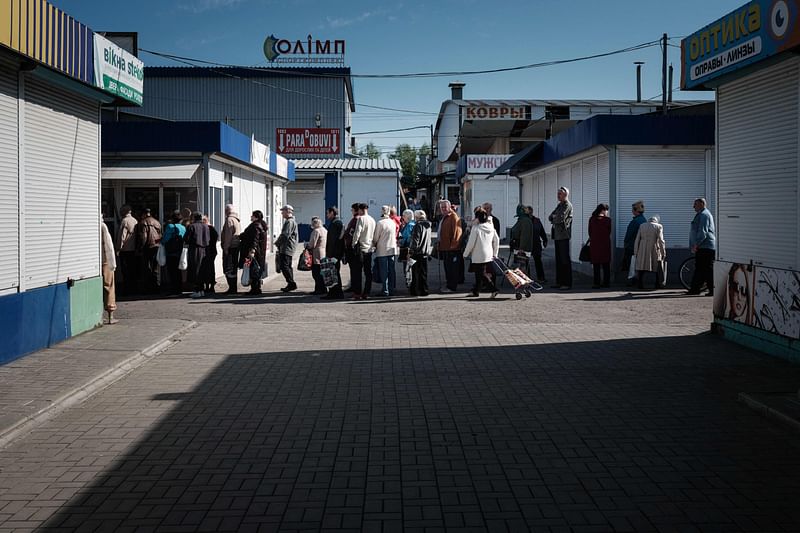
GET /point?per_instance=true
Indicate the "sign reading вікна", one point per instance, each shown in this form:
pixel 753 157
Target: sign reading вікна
pixel 117 71
pixel 310 141
pixel 755 31
pixel 485 163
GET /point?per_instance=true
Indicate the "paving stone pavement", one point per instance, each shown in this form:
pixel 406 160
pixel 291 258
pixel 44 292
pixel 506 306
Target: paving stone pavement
pixel 568 412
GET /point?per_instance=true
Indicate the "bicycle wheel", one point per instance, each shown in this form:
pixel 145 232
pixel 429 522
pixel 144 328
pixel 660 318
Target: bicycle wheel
pixel 686 273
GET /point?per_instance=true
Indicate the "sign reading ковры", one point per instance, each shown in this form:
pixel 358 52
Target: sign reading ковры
pixel 308 141
pixel 117 71
pixel 304 51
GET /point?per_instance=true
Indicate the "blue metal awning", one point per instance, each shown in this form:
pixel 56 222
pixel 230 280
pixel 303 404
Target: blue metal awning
pixel 514 159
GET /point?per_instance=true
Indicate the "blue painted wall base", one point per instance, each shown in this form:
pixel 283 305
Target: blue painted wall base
pixel 758 339
pixel 33 320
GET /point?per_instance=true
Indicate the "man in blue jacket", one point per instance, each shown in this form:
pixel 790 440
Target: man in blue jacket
pixel 703 243
pixel 637 210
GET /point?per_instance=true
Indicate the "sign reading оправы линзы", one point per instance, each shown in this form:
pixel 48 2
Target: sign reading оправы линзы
pixel 118 71
pixel 754 32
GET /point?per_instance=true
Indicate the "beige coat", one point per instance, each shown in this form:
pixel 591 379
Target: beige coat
pixel 650 248
pixel 316 243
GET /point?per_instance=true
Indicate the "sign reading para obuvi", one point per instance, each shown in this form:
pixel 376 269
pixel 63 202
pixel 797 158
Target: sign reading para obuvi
pixel 755 31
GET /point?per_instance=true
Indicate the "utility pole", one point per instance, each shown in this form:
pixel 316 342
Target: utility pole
pixel 638 81
pixel 664 44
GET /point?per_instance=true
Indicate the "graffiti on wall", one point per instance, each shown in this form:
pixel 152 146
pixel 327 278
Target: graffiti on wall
pixel 766 298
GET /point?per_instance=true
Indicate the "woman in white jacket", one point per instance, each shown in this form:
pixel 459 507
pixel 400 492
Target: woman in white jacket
pixel 384 240
pixel 482 246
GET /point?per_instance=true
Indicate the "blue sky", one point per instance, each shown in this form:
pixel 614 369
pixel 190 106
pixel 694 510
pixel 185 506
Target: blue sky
pixel 413 36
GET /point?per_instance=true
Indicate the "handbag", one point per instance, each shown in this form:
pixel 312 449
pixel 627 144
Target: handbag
pixel 183 262
pixel 161 256
pixel 305 261
pixel 632 268
pixel 586 253
pixel 246 272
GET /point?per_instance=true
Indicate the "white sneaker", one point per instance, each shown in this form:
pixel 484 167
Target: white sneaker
pixel 494 294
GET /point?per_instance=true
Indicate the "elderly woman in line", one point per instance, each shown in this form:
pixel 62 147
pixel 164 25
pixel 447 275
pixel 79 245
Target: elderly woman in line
pixel 316 243
pixel 420 249
pixel 650 251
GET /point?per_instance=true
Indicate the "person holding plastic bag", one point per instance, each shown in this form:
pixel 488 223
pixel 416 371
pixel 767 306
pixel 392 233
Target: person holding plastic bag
pixel 197 239
pixel 173 247
pixel 420 248
pixel 650 251
pixel 253 247
pixel 316 244
pixel 628 261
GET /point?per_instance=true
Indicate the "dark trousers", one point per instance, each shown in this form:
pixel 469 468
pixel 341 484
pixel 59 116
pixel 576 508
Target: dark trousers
pixel 366 266
pixel 285 261
pixel 703 270
pixel 230 263
pixel 319 283
pixel 537 260
pixel 354 262
pixel 174 274
pixel 563 264
pixel 659 276
pixel 606 268
pixel 484 282
pixel 149 279
pixel 419 276
pixel 452 268
pixel 129 265
pixel 255 277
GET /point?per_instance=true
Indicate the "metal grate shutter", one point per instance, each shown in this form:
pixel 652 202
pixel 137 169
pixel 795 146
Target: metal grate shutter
pixel 579 228
pixel 62 185
pixel 9 178
pixel 603 181
pixel 668 180
pixel 757 125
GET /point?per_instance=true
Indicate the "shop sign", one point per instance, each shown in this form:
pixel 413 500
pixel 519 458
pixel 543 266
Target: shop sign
pixel 497 112
pixel 485 163
pixel 117 71
pixel 756 31
pixel 304 51
pixel 308 141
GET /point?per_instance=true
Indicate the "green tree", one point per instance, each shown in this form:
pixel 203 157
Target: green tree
pixel 370 151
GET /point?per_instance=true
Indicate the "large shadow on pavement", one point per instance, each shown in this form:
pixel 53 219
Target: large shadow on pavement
pixel 628 435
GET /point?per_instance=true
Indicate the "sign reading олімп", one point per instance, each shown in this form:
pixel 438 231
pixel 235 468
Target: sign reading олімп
pixel 117 71
pixel 755 31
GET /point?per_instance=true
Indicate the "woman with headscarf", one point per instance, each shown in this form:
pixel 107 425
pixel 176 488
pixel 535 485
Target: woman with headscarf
pixel 207 267
pixel 197 238
pixel 253 246
pixel 482 246
pixel 419 250
pixel 600 245
pixel 173 246
pixel 650 251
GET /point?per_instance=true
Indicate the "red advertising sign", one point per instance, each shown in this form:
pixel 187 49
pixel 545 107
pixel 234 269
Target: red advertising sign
pixel 308 141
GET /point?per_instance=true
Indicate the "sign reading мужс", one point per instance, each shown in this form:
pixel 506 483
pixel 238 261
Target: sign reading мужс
pixel 309 141
pixel 117 71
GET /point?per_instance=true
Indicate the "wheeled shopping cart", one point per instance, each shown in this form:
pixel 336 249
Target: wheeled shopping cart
pixel 523 285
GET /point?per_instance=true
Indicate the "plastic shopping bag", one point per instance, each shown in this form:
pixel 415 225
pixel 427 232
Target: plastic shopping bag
pixel 632 268
pixel 246 272
pixel 161 256
pixel 183 262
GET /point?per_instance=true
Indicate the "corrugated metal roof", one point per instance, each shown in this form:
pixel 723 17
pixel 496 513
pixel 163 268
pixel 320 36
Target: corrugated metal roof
pixel 588 103
pixel 347 164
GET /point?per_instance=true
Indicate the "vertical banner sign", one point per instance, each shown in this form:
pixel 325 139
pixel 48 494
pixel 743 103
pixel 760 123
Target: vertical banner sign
pixel 117 71
pixel 308 141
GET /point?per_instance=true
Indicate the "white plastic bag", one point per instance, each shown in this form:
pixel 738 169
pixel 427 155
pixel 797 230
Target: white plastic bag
pixel 246 272
pixel 632 269
pixel 161 256
pixel 183 262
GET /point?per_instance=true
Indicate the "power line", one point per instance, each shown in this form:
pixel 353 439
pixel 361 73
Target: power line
pixel 392 131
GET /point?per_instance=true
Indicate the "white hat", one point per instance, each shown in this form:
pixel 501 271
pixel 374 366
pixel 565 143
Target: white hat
pixel 287 207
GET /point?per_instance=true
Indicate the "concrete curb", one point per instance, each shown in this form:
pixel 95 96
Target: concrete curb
pixel 769 412
pixel 83 392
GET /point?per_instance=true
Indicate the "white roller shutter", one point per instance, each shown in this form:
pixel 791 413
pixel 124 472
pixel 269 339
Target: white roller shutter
pixel 757 125
pixel 668 180
pixel 62 185
pixel 579 231
pixel 603 181
pixel 9 172
pixel 549 196
pixel 589 185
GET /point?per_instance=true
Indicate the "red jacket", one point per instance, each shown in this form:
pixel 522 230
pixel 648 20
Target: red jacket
pixel 600 239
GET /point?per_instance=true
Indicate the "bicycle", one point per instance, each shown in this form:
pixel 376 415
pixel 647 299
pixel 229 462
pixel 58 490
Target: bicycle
pixel 686 272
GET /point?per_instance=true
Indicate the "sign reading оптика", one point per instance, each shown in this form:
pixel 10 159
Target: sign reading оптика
pixel 756 31
pixel 117 71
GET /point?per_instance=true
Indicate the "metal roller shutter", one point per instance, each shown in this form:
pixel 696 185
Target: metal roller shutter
pixel 9 179
pixel 603 181
pixel 668 180
pixel 62 185
pixel 579 230
pixel 757 125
